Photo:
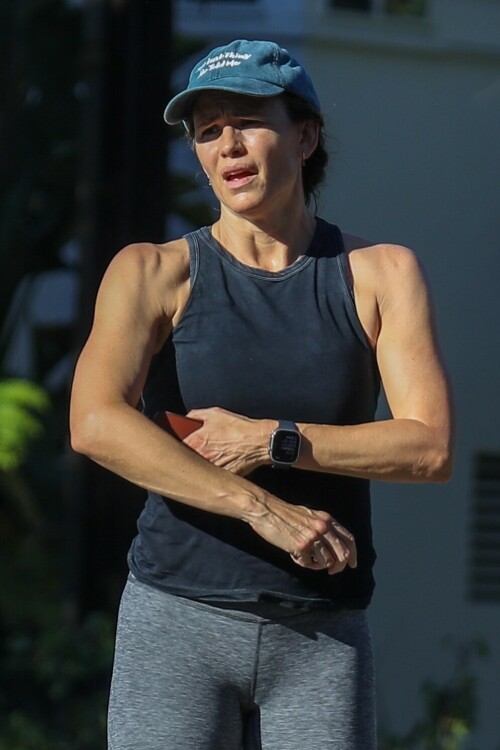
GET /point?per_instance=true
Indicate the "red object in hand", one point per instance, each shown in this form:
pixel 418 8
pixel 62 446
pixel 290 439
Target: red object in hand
pixel 177 424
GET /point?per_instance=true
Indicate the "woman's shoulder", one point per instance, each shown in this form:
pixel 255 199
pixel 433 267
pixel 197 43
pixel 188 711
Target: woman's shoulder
pixel 161 261
pixel 153 252
pixel 386 257
pixel 381 268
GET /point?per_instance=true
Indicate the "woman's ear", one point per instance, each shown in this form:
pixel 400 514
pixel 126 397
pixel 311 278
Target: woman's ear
pixel 309 137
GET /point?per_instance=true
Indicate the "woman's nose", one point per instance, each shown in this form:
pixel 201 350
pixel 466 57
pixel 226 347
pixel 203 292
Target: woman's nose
pixel 231 142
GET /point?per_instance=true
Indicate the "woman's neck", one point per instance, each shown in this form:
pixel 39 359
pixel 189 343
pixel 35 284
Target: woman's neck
pixel 272 245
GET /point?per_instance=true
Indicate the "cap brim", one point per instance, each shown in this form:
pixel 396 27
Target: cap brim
pixel 179 108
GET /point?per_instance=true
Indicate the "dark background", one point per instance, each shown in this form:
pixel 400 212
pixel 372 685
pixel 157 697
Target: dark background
pixel 84 168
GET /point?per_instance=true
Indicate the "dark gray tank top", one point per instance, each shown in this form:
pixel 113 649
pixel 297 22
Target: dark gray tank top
pixel 285 345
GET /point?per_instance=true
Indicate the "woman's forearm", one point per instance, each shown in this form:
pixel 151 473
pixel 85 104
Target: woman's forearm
pixel 121 439
pixel 402 450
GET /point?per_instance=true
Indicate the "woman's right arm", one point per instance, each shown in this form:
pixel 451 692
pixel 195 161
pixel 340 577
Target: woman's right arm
pixel 139 300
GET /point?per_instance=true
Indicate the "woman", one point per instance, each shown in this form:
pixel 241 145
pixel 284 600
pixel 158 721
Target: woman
pixel 243 623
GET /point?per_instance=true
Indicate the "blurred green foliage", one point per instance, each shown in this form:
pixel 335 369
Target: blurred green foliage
pixel 20 400
pixel 56 678
pixel 449 707
pixel 54 669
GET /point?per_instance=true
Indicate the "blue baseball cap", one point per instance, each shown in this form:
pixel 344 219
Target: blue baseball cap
pixel 256 68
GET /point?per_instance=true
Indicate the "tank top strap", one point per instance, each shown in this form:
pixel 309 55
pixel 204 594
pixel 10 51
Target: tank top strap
pixel 193 240
pixel 343 261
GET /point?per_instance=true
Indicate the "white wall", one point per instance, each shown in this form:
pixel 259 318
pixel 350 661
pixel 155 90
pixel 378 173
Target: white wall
pixel 417 120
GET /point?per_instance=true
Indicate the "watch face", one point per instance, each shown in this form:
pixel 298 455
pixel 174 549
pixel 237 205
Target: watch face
pixel 285 448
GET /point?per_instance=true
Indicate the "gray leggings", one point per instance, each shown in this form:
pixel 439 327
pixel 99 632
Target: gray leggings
pixel 192 676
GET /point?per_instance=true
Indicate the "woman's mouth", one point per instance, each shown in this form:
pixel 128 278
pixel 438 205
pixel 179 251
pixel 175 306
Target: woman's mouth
pixel 236 178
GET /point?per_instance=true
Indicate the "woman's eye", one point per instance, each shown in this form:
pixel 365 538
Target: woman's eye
pixel 208 131
pixel 250 123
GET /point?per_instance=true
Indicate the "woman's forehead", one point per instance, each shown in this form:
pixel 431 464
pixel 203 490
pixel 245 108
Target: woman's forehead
pixel 211 103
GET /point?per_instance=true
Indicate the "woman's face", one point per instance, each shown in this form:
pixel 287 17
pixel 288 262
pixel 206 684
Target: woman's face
pixel 250 151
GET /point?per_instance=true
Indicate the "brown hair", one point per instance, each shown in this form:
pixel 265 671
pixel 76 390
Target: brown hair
pixel 314 169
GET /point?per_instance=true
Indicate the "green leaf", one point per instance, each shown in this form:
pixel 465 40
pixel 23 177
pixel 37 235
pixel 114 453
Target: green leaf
pixel 21 403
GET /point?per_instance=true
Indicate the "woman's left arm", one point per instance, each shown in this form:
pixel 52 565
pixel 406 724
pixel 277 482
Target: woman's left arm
pixel 416 445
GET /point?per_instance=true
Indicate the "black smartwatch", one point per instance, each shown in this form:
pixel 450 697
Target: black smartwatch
pixel 284 445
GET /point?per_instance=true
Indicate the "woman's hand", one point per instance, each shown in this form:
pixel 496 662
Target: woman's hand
pixel 231 441
pixel 239 444
pixel 313 538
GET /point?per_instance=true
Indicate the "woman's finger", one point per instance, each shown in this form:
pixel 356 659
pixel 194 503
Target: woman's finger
pixel 333 551
pixel 342 543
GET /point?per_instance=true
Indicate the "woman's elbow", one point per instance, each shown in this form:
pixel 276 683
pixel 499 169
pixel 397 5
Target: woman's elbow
pixel 77 442
pixel 83 433
pixel 440 465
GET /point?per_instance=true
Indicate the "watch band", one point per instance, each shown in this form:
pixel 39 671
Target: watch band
pixel 286 424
